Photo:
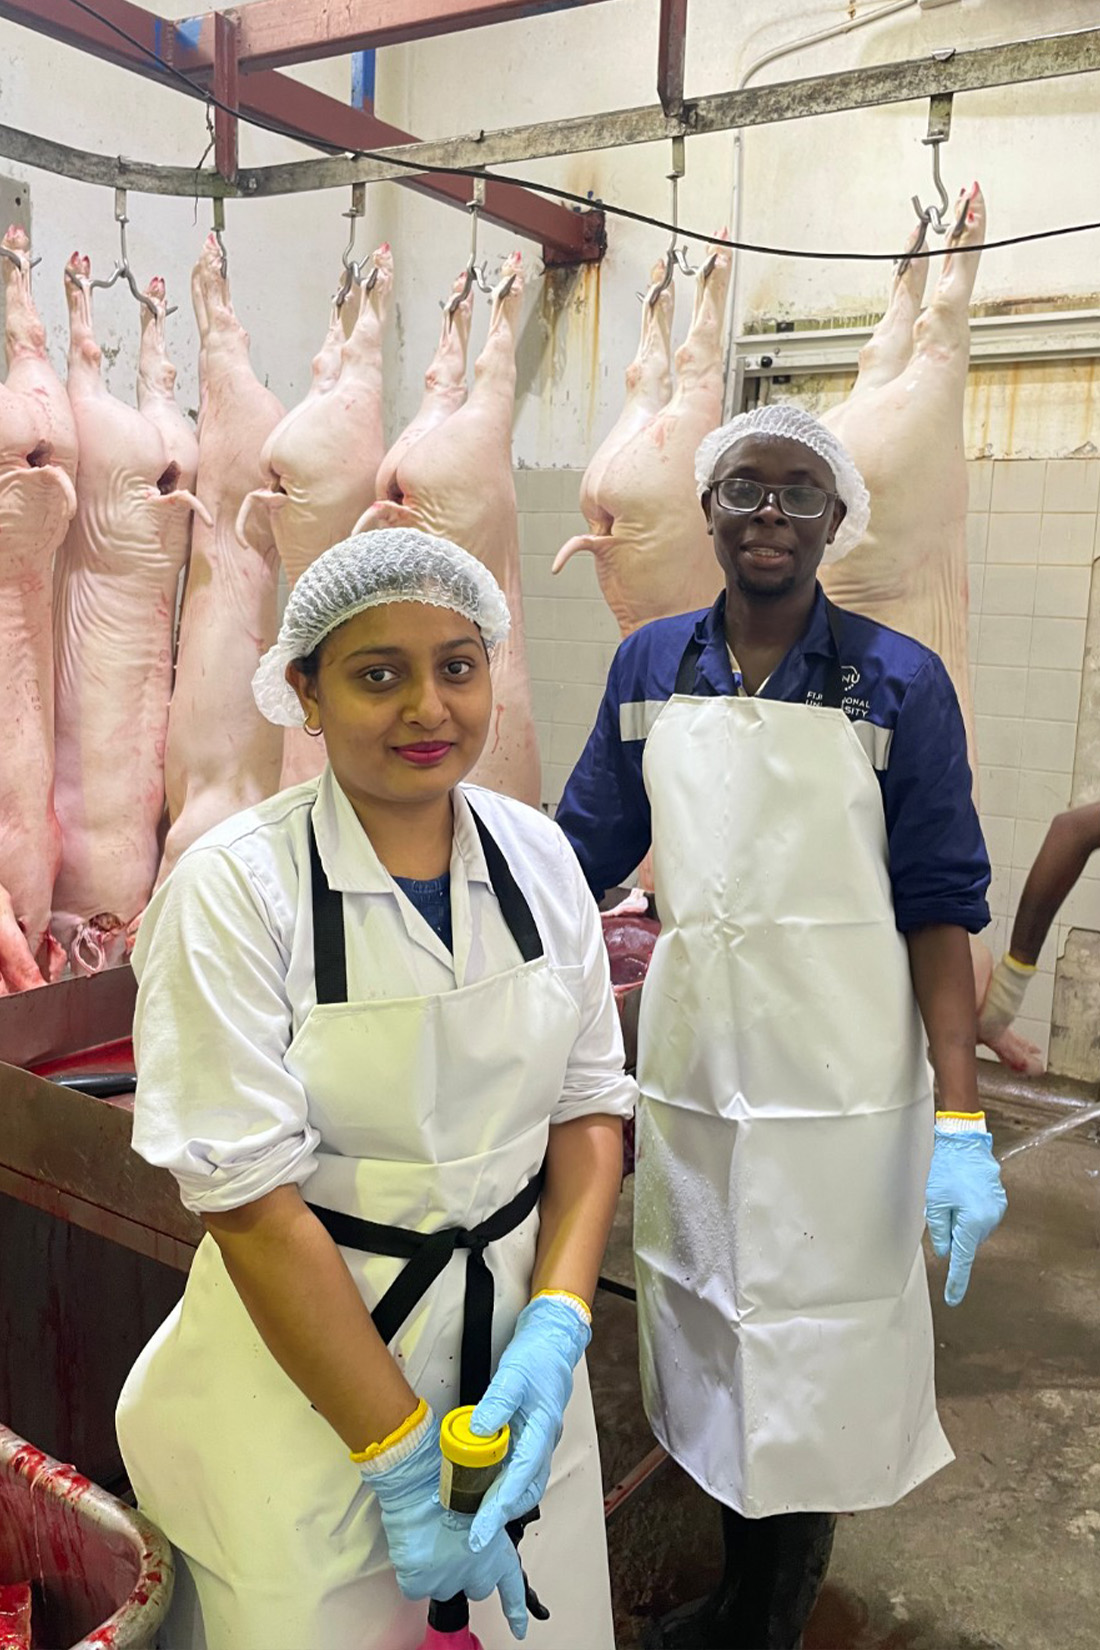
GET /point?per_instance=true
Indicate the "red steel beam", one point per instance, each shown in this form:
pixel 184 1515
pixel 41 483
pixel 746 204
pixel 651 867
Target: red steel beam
pixel 566 237
pixel 227 94
pixel 671 42
pixel 275 32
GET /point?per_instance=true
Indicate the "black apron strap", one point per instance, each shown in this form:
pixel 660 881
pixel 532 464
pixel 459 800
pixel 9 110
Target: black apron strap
pixel 833 696
pixel 427 1253
pixel 330 963
pixel 513 905
pixel 689 663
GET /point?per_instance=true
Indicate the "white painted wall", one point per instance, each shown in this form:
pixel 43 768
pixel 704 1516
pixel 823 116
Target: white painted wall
pixel 839 181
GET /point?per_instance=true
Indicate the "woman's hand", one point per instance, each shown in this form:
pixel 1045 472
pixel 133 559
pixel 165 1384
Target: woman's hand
pixel 529 1392
pixel 430 1547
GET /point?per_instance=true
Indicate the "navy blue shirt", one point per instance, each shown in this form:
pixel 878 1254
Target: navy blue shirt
pixel 902 706
pixel 432 898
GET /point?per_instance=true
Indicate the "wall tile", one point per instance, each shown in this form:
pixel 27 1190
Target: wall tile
pixel 1004 641
pixel 1018 484
pixel 1041 795
pixel 1053 695
pixel 1026 842
pixel 999 788
pixel 1010 590
pixel 999 837
pixel 979 476
pixel 976 581
pixel 1040 997
pixel 542 489
pixel 1063 592
pixel 1082 906
pixel 973 632
pixel 999 739
pixel 1000 690
pixel 541 659
pixel 977 535
pixel 1013 537
pixel 1072 484
pixel 577 702
pixel 1048 747
pixel 1057 644
pixel 1067 540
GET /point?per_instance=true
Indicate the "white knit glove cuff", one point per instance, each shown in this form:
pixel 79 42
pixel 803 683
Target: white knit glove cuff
pixel 1005 995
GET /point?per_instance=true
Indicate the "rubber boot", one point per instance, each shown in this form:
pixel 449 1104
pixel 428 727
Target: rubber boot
pixel 774 1569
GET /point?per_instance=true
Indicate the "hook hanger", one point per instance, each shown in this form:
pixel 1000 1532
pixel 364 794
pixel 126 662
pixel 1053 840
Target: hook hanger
pixel 475 276
pixel 939 130
pixel 122 270
pixel 219 231
pixel 353 271
pixel 677 257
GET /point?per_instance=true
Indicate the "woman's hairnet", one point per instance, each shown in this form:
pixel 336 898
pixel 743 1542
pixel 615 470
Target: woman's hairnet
pixel 783 421
pixel 392 564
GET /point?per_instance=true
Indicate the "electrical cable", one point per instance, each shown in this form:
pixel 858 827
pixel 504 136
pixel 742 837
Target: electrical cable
pixel 590 203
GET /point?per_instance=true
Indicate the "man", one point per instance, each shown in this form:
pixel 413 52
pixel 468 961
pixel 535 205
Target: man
pixel 801 773
pixel 1073 837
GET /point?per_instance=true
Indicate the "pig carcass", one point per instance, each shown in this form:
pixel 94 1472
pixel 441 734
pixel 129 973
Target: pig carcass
pixel 320 461
pixel 903 425
pixel 38 458
pixel 653 554
pixel 221 754
pixel 455 480
pixel 114 620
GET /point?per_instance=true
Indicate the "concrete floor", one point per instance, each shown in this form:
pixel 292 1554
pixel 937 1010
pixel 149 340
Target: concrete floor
pixel 1001 1551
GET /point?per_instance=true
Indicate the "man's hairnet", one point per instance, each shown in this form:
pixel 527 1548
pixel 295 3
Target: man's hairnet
pixel 392 564
pixel 784 421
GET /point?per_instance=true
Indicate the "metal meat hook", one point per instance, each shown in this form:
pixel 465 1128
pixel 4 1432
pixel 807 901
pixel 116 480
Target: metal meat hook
pixel 122 270
pixel 219 231
pixel 475 275
pixel 19 259
pixel 676 257
pixel 939 130
pixel 353 271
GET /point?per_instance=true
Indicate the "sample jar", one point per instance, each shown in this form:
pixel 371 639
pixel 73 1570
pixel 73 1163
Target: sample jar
pixel 470 1462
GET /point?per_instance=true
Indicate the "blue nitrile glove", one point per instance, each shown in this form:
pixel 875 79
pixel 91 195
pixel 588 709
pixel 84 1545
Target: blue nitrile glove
pixel 964 1200
pixel 529 1392
pixel 429 1546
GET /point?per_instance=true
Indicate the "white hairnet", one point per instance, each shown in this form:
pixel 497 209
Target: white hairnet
pixel 783 421
pixel 392 564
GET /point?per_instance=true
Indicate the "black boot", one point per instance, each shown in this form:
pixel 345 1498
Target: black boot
pixel 774 1568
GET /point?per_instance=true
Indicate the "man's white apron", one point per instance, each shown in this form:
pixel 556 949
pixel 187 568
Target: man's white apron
pixel 434 1113
pixel 785 1130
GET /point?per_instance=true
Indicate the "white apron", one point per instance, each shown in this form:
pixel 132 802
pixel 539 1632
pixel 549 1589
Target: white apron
pixel 283 1542
pixel 785 1130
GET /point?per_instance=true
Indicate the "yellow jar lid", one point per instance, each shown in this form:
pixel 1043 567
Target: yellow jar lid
pixel 469 1449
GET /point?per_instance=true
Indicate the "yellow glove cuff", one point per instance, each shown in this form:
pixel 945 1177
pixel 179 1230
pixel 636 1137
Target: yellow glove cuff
pixel 1018 967
pixel 581 1307
pixel 408 1425
pixel 961 1122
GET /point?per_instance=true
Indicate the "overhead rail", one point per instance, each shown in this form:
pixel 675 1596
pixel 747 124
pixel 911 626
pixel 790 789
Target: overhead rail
pixel 172 54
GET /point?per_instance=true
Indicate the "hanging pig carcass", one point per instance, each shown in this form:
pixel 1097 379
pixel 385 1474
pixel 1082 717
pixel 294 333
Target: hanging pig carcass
pixel 653 555
pixel 114 623
pixel 320 461
pixel 38 461
pixel 222 755
pixel 455 480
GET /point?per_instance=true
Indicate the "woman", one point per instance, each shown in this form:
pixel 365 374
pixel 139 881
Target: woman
pixel 373 1007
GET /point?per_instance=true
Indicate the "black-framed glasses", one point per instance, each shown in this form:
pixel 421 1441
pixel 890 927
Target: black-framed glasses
pixel 742 496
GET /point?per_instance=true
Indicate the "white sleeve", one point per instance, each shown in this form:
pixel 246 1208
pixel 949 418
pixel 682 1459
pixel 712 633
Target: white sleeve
pixel 215 1103
pixel 594 1078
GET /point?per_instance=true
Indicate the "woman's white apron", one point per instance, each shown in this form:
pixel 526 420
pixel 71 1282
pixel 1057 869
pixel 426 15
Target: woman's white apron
pixel 434 1112
pixel 785 1129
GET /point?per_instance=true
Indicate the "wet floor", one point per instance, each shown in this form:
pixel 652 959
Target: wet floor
pixel 1000 1551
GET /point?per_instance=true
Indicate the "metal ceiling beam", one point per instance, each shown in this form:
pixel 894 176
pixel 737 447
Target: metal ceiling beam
pixel 227 93
pixel 156 46
pixel 1016 63
pixel 275 32
pixel 671 50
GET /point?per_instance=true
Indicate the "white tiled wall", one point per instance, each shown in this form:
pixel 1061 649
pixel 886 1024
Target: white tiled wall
pixel 1032 535
pixel 571 635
